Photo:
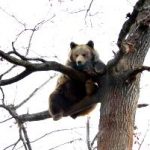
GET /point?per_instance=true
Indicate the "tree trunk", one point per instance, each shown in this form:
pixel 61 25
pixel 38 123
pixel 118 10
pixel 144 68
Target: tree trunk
pixel 118 86
pixel 117 117
pixel 117 114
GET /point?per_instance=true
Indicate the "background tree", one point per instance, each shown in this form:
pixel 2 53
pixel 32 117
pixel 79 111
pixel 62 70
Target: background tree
pixel 119 86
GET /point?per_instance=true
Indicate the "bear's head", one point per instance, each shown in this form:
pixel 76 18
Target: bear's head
pixel 83 54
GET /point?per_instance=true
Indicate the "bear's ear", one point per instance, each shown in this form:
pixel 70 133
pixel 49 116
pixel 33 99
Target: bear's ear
pixel 73 45
pixel 90 44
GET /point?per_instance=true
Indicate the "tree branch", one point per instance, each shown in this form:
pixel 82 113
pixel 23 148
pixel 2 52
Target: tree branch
pixel 43 66
pixel 83 104
pixel 142 105
pixel 33 93
pixel 26 138
pixel 127 25
pixel 10 69
pixel 88 141
pixel 45 114
pixel 130 75
pixel 15 78
pixel 129 47
pixel 87 11
pixel 35 116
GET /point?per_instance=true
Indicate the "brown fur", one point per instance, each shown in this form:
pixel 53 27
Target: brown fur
pixel 69 92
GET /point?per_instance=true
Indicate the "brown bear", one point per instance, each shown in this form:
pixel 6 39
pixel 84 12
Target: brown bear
pixel 69 92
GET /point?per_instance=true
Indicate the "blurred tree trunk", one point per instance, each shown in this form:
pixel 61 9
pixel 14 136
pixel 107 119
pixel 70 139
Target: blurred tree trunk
pixel 117 114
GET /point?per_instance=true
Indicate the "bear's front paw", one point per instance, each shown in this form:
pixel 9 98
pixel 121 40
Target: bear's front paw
pixel 57 116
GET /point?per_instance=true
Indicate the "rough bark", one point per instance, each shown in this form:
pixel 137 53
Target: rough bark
pixel 117 114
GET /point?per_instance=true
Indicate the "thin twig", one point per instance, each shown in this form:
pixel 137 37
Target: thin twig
pixel 33 30
pixel 87 11
pixel 69 142
pixel 94 139
pixel 45 66
pixel 24 57
pixel 6 120
pixel 147 130
pixel 34 92
pixel 10 69
pixel 14 17
pixel 55 131
pixel 88 134
pixel 12 145
pixel 3 95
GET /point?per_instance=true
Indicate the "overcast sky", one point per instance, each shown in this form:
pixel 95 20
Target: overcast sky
pixel 66 21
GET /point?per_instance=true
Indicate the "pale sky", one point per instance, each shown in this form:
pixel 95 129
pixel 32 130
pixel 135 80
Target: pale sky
pixel 68 23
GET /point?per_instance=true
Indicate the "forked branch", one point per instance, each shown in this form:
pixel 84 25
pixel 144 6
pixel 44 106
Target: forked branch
pixel 130 75
pixel 131 20
pixel 42 66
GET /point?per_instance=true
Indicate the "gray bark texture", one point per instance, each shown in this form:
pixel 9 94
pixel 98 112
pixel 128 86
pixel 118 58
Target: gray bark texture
pixel 117 114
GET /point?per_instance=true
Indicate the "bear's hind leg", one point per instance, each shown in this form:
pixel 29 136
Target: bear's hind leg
pixel 56 106
pixel 90 87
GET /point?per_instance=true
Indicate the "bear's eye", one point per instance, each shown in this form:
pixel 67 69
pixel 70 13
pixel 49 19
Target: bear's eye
pixel 83 55
pixel 76 55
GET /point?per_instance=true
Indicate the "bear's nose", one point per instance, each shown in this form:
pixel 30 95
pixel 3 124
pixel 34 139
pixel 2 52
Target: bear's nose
pixel 79 62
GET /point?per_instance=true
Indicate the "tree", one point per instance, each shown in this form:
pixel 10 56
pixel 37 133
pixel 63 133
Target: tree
pixel 118 87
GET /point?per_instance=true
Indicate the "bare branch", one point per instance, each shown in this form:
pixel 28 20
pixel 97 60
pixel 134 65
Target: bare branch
pixel 35 116
pixel 130 75
pixel 45 114
pixel 127 25
pixel 10 69
pixel 80 106
pixel 147 130
pixel 88 134
pixel 22 131
pixel 55 131
pixel 36 27
pixel 95 138
pixel 87 11
pixel 3 95
pixel 127 41
pixel 27 141
pixel 33 93
pixel 14 17
pixel 115 61
pixel 69 142
pixel 142 105
pixel 6 120
pixel 78 11
pixel 15 78
pixel 22 139
pixel 14 60
pixel 45 66
pixel 12 145
pixel 11 110
pixel 23 57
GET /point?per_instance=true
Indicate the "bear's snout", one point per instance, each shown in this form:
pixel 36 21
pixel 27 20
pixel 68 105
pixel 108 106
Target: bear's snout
pixel 80 60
